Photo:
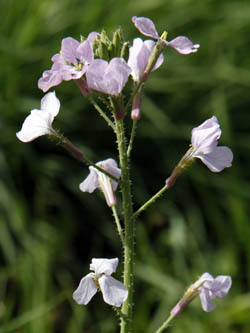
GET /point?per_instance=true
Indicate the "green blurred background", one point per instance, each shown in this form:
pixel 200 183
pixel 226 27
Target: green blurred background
pixel 49 230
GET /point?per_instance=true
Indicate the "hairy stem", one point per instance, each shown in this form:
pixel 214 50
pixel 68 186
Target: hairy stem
pixel 151 201
pixel 127 308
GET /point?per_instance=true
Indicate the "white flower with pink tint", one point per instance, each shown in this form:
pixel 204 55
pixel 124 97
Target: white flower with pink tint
pixel 204 146
pixel 98 180
pixel 114 292
pixel 181 44
pixel 39 122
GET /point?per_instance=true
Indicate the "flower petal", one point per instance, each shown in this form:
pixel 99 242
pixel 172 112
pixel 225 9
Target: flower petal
pixel 68 49
pixel 85 52
pixel 114 292
pixel 206 302
pixel 218 159
pixel 51 104
pixel 38 123
pixel 145 26
pixel 221 285
pixel 183 45
pixel 109 78
pixel 91 182
pixel 86 290
pixel 50 78
pixel 101 265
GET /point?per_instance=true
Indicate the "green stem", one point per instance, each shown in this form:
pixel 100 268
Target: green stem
pixel 102 114
pixel 151 201
pixel 127 307
pixel 131 141
pixel 118 224
pixel 165 324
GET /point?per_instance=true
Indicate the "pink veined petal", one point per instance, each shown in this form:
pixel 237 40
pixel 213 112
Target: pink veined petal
pixel 106 77
pixel 114 292
pixel 91 182
pixel 84 52
pixel 86 290
pixel 50 78
pixel 183 45
pixel 95 73
pixel 145 26
pixel 102 265
pixel 50 103
pixel 68 49
pixel 206 302
pixel 218 159
pixel 119 71
pixel 38 123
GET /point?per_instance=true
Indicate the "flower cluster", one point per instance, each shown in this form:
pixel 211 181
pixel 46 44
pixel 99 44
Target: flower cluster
pixel 100 65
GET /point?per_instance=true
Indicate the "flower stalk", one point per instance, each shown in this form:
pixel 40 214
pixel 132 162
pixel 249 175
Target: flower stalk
pixel 127 307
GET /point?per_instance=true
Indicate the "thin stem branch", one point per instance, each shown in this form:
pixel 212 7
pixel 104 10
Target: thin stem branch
pixel 102 113
pixel 118 224
pixel 165 324
pixel 150 201
pixel 131 141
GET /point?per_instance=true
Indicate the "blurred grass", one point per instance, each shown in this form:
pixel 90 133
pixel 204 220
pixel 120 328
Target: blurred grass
pixel 49 230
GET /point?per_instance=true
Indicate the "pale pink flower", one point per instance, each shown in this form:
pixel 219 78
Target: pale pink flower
pixel 97 179
pixel 70 64
pixel 181 44
pixel 114 292
pixel 204 146
pixel 208 288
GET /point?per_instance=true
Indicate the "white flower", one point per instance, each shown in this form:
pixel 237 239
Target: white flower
pixel 212 288
pixel 204 142
pixel 39 122
pixel 98 179
pixel 113 291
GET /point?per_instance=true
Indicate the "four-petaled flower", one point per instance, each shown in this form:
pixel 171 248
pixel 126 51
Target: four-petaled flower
pixel 138 57
pixel 39 122
pixel 204 146
pixel 97 179
pixel 208 288
pixel 70 64
pixel 114 292
pixel 181 44
pixel 109 78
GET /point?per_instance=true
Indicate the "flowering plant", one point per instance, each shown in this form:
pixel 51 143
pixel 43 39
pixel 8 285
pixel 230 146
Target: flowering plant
pixel 102 68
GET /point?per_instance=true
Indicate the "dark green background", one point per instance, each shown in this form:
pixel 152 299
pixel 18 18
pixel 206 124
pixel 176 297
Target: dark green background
pixel 49 230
